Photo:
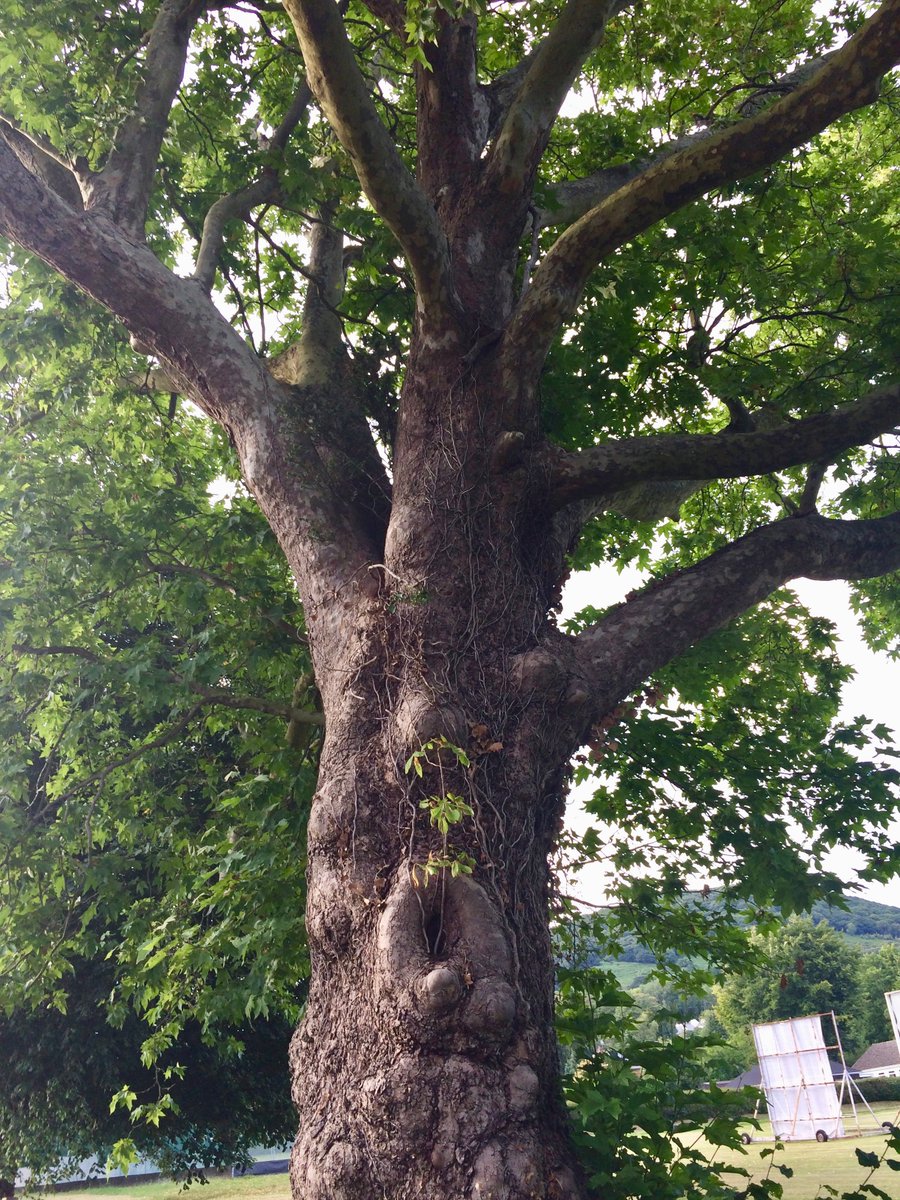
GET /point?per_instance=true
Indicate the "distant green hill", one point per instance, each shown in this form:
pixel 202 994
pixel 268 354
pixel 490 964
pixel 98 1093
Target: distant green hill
pixel 861 918
pixel 864 922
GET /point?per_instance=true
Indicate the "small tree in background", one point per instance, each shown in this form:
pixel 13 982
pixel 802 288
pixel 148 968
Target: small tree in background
pixel 806 969
pixel 877 973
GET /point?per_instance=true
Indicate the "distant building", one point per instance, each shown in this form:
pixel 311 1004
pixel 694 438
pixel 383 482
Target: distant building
pixel 752 1077
pixel 880 1061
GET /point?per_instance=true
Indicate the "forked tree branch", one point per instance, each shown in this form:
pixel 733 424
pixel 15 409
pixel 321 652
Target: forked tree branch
pixel 212 364
pixel 501 93
pixel 241 201
pixel 649 631
pixel 122 188
pixel 180 325
pixel 523 136
pixel 847 80
pixel 602 470
pixel 343 95
pixel 319 362
pixel 42 159
pixel 451 113
pixel 392 12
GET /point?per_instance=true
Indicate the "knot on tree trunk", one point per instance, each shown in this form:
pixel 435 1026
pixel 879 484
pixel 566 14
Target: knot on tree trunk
pixel 549 674
pixel 441 989
pixel 418 719
pixel 508 451
pixel 443 956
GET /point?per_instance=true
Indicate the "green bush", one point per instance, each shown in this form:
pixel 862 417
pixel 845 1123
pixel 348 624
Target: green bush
pixel 880 1089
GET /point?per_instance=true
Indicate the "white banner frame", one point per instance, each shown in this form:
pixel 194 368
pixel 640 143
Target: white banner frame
pixel 797 1078
pixel 892 1000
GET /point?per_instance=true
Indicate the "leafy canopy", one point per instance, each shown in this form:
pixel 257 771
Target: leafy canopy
pixel 151 813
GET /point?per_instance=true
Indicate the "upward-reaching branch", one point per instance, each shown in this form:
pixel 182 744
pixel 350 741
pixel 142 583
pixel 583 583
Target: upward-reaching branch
pixel 847 80
pixel 342 93
pixel 318 364
pixel 42 159
pixel 170 315
pixel 122 188
pixel 649 631
pixel 523 137
pixel 572 198
pixel 241 201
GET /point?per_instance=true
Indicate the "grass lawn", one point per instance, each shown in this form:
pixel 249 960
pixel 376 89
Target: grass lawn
pixel 252 1187
pixel 813 1163
pixel 627 973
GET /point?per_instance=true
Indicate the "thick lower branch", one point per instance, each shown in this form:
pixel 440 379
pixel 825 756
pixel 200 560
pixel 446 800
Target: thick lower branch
pixel 326 538
pixel 602 470
pixel 647 632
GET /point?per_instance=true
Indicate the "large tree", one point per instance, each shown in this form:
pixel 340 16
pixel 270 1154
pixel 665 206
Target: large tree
pixel 808 969
pixel 499 331
pixel 208 1105
pixel 878 972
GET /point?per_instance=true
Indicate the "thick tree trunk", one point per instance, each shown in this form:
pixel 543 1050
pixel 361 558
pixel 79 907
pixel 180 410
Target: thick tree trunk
pixel 426 1064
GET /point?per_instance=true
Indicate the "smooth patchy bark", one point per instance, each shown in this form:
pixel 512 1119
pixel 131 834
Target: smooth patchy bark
pixel 426 1065
pixel 573 198
pixel 602 470
pixel 42 159
pixel 845 81
pixel 122 187
pixel 342 92
pixel 520 143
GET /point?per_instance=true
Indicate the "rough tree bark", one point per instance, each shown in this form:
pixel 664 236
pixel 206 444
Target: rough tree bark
pixel 426 1066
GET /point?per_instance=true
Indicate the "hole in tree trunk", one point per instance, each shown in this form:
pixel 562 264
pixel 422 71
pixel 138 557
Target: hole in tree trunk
pixel 434 934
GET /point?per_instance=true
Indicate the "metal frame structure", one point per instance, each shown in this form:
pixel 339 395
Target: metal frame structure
pixel 797 1078
pixel 892 1000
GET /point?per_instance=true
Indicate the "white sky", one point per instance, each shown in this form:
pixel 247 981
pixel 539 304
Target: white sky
pixel 872 692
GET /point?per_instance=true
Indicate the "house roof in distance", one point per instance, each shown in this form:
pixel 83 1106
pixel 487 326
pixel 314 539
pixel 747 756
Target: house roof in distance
pixel 879 1057
pixel 752 1077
